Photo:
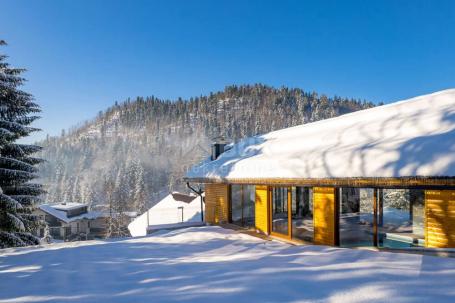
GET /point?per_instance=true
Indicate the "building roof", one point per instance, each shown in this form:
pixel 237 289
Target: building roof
pixel 410 138
pixel 182 197
pixel 56 211
pixel 65 206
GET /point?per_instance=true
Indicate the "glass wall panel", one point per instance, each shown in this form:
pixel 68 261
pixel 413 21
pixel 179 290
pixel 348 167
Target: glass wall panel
pixel 242 205
pixel 356 217
pixel 280 210
pixel 249 198
pixel 401 218
pixel 236 204
pixel 302 213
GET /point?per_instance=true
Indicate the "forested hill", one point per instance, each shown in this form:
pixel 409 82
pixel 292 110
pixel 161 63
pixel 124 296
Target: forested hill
pixel 138 150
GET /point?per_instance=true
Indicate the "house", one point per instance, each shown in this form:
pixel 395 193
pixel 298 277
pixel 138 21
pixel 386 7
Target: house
pixel 382 177
pixel 71 221
pixel 174 211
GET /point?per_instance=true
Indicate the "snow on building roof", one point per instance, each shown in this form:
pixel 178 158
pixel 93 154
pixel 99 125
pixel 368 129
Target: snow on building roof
pixel 68 205
pixel 414 137
pixel 62 215
pixel 167 211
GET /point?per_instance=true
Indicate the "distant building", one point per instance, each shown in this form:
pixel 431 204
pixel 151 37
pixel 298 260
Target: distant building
pixel 72 221
pixel 174 211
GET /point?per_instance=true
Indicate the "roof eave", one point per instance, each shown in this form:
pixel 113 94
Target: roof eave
pixel 395 182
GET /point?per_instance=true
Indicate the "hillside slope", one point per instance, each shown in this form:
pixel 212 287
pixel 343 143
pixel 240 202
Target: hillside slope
pixel 137 151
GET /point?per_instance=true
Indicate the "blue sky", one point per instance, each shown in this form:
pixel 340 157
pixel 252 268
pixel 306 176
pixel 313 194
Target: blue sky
pixel 82 56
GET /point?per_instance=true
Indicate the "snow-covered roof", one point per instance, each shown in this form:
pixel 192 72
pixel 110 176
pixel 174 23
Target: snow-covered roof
pixel 62 215
pixel 131 214
pixel 68 206
pixel 414 137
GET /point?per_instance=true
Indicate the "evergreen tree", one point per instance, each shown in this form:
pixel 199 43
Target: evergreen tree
pixel 17 167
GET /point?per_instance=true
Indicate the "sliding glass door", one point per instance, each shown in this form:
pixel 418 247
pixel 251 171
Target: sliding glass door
pixel 242 205
pixel 236 204
pixel 401 218
pixel 392 218
pixel 292 212
pixel 302 213
pixel 356 217
pixel 280 214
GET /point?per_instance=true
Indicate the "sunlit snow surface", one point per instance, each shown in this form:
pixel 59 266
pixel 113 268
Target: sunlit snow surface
pixel 211 264
pixel 415 137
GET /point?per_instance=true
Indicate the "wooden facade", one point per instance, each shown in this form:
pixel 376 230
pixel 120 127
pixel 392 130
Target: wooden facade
pixel 439 213
pixel 440 218
pixel 262 209
pixel 216 203
pixel 324 215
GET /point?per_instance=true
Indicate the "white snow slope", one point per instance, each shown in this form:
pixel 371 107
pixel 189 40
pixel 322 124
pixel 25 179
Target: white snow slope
pixel 415 137
pixel 210 264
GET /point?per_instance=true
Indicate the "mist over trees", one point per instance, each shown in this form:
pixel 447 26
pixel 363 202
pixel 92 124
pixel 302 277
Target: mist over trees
pixel 136 151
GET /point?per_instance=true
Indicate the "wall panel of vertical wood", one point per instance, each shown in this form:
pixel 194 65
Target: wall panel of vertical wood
pixel 440 218
pixel 324 215
pixel 216 203
pixel 261 209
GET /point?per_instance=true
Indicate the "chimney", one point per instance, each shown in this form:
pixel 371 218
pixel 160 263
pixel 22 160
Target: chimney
pixel 218 146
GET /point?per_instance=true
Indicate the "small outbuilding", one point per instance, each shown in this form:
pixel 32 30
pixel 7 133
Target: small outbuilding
pixel 176 210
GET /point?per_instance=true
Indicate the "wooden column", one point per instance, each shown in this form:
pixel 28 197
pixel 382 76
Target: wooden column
pixel 324 215
pixel 261 211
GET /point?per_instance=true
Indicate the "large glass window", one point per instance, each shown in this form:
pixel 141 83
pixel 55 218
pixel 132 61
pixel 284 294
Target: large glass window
pixel 302 213
pixel 249 199
pixel 401 218
pixel 242 205
pixel 236 204
pixel 280 214
pixel 357 217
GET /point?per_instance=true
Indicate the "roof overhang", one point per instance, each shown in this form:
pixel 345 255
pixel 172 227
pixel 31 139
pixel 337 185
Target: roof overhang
pixel 402 182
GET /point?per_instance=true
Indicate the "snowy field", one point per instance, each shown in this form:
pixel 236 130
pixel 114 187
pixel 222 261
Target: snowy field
pixel 211 264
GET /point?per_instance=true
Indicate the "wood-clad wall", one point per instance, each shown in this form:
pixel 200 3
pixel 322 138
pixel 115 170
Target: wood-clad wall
pixel 261 209
pixel 324 215
pixel 216 203
pixel 440 218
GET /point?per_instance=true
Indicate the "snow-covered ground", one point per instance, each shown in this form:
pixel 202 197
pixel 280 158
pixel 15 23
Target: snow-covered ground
pixel 211 264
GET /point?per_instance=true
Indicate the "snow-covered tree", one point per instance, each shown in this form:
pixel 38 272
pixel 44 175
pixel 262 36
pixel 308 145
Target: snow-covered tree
pixel 17 165
pixel 140 190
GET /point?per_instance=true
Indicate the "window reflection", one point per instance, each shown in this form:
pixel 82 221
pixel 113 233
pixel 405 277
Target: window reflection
pixel 242 205
pixel 280 216
pixel 236 204
pixel 302 213
pixel 401 218
pixel 356 217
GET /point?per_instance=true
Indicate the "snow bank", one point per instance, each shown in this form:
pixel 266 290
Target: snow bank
pixel 210 264
pixel 168 212
pixel 415 137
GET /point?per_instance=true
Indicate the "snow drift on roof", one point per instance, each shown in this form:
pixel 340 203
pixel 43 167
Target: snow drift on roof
pixel 415 137
pixel 68 205
pixel 62 215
